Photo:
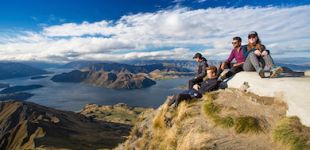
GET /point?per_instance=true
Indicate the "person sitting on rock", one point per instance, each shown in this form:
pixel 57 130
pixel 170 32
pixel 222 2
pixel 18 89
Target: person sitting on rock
pixel 197 91
pixel 237 54
pixel 201 70
pixel 257 57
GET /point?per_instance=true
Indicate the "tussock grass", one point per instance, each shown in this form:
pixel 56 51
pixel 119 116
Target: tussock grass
pixel 159 120
pixel 243 124
pixel 212 111
pixel 247 124
pixel 292 133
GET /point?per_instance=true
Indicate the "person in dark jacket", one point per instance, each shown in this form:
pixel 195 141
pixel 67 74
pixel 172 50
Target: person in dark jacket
pixel 197 91
pixel 201 70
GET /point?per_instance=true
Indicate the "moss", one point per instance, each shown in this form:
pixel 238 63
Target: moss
pixel 292 133
pixel 247 124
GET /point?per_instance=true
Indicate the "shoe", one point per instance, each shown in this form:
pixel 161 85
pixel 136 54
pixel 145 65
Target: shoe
pixel 171 100
pixel 261 73
pixel 276 72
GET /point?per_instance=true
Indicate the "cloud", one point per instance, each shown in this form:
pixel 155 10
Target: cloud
pixel 167 34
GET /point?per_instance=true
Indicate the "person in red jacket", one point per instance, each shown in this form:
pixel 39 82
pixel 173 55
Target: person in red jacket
pixel 237 54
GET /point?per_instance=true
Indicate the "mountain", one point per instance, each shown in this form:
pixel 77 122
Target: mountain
pixel 21 96
pixel 26 125
pixel 4 85
pixel 126 65
pixel 79 64
pixel 20 88
pixel 225 119
pixel 41 64
pixel 15 70
pixel 73 76
pixel 187 64
pixel 120 80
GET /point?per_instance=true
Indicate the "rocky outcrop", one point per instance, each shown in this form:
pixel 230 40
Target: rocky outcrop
pixel 226 119
pixel 294 91
pixel 120 80
pixel 26 125
pixel 73 76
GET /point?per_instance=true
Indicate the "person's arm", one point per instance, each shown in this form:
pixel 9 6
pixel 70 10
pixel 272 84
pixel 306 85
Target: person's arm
pixel 209 86
pixel 203 70
pixel 230 58
pixel 238 64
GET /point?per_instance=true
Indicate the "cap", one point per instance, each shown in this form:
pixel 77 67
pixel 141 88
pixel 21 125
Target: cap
pixel 197 55
pixel 252 33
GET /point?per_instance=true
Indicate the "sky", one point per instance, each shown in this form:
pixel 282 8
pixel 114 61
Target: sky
pixel 71 30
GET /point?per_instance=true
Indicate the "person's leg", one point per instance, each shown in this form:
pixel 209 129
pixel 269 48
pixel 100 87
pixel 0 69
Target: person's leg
pixel 233 71
pixel 252 63
pixel 219 69
pixel 181 97
pixel 275 70
pixel 192 82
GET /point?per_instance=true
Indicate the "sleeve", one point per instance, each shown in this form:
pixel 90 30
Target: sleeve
pixel 245 51
pixel 231 57
pixel 208 86
pixel 263 47
pixel 203 70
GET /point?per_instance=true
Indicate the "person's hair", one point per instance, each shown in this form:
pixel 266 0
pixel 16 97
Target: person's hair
pixel 212 68
pixel 237 38
pixel 259 46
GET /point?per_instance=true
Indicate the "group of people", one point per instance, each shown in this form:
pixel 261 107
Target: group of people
pixel 251 57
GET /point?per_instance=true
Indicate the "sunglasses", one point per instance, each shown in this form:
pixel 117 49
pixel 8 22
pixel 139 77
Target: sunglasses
pixel 234 43
pixel 252 36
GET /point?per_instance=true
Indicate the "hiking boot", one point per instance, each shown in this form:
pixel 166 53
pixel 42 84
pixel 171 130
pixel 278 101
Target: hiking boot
pixel 171 100
pixel 276 72
pixel 261 73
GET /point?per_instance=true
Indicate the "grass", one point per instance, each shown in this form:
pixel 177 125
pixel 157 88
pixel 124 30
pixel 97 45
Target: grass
pixel 292 133
pixel 243 124
pixel 247 124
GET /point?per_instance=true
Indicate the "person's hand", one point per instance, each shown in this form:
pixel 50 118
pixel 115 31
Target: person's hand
pixel 257 53
pixel 235 65
pixel 223 66
pixel 264 53
pixel 196 87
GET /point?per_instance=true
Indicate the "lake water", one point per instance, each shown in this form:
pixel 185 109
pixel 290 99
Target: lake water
pixel 74 96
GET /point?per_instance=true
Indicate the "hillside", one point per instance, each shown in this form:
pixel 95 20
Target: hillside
pixel 226 119
pixel 119 80
pixel 15 70
pixel 26 125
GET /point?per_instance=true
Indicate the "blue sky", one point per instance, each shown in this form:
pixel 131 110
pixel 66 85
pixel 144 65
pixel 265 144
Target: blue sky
pixel 67 30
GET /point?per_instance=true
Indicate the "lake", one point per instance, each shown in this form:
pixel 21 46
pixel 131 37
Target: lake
pixel 74 96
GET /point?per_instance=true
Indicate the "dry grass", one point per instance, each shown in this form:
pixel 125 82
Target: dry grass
pixel 159 119
pixel 243 124
pixel 292 133
pixel 246 124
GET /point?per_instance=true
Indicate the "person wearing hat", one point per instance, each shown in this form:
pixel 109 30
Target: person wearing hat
pixel 257 57
pixel 201 70
pixel 211 84
pixel 237 54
